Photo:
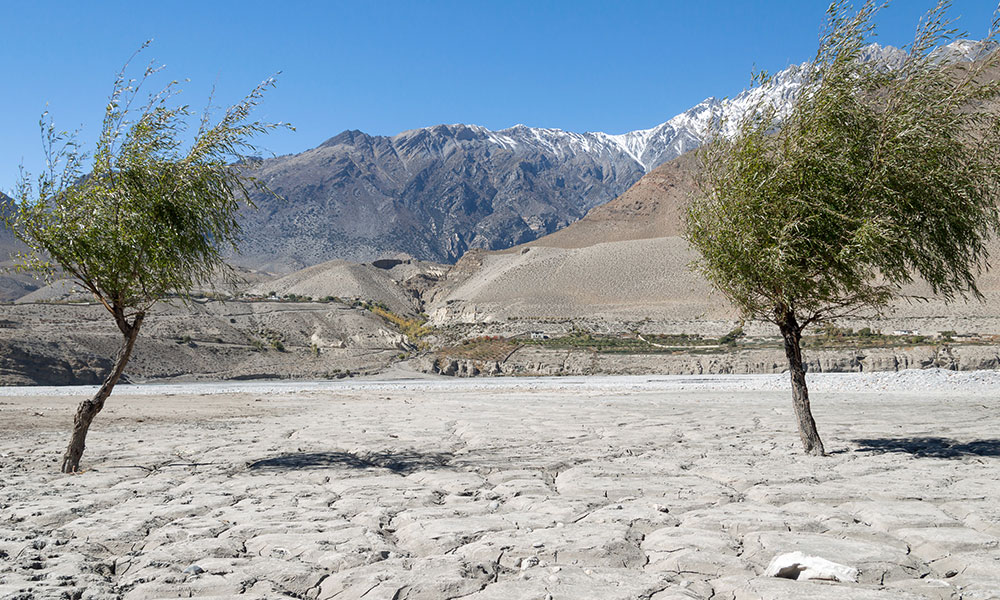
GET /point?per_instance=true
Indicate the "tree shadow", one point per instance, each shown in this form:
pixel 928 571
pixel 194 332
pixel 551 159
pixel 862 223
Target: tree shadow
pixel 401 462
pixel 930 446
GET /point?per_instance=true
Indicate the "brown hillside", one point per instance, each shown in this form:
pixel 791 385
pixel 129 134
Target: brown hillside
pixel 625 260
pixel 651 208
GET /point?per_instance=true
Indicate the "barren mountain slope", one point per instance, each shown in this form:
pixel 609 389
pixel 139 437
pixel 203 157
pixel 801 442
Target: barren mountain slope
pixel 617 281
pixel 60 344
pixel 625 261
pixel 12 284
pixel 432 193
pixel 651 208
pixel 397 283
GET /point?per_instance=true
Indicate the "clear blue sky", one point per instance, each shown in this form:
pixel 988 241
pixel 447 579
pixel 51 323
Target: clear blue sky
pixel 387 66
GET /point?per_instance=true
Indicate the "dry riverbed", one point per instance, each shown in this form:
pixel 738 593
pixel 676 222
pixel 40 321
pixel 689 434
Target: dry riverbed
pixel 663 488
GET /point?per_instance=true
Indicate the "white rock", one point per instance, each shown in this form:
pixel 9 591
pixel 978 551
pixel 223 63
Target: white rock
pixel 796 565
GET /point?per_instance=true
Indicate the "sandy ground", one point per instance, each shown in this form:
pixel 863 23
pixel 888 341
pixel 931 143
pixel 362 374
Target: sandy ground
pixel 608 488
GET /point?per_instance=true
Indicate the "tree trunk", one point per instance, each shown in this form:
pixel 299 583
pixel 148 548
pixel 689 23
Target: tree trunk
pixel 88 409
pixel 792 334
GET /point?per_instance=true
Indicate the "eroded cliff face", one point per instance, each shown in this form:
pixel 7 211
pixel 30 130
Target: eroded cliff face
pixel 541 361
pixel 72 344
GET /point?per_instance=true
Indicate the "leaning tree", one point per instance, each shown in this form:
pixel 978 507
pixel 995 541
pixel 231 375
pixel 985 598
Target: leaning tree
pixel 146 216
pixel 876 174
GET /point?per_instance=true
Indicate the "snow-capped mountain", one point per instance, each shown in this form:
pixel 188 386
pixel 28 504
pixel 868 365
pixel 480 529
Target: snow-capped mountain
pixel 436 192
pixel 656 145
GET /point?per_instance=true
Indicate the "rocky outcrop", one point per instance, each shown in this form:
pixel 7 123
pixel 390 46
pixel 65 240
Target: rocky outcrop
pixel 72 344
pixel 432 193
pixel 30 364
pixel 543 361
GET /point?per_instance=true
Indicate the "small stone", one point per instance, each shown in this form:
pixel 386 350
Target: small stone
pixel 555 569
pixel 553 578
pixel 528 562
pixel 661 508
pixel 537 545
pixel 194 570
pixel 548 596
pixel 494 505
pixel 951 573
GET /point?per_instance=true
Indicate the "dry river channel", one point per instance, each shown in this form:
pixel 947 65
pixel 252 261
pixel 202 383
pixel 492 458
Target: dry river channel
pixel 661 488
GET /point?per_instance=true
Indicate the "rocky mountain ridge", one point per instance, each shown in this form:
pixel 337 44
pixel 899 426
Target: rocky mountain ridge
pixel 436 192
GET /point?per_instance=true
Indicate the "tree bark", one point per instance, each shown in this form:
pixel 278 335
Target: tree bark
pixel 791 332
pixel 88 409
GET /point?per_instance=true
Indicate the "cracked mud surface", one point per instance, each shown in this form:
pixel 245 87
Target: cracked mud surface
pixel 538 489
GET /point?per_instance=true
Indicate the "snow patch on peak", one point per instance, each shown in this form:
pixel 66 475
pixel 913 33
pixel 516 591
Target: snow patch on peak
pixel 888 56
pixel 963 50
pixel 652 147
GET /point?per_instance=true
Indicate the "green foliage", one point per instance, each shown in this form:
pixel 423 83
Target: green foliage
pixel 152 216
pixel 875 175
pixel 832 332
pixel 414 329
pixel 582 339
pixel 831 336
pixel 732 337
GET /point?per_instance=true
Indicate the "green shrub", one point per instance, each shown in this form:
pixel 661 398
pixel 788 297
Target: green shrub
pixel 730 338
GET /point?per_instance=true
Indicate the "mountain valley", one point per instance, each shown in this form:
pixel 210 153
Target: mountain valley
pixel 453 248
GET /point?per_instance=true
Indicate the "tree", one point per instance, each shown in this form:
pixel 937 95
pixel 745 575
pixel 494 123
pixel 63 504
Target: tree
pixel 875 175
pixel 151 218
